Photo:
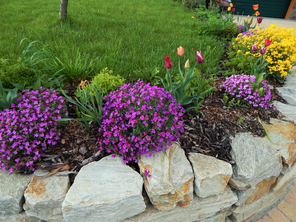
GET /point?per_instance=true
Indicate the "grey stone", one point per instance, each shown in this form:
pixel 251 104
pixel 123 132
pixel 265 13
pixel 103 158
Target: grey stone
pixel 288 111
pixel 199 209
pixel 21 217
pixel 288 94
pixel 12 188
pixel 211 175
pixel 107 190
pixel 45 195
pixel 291 79
pixel 256 159
pixel 171 181
pixel 218 217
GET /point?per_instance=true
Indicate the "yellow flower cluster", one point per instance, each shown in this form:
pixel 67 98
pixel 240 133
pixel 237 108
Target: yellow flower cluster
pixel 281 54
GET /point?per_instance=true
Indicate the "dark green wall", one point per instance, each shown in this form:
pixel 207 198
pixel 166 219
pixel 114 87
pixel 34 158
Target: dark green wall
pixel 267 8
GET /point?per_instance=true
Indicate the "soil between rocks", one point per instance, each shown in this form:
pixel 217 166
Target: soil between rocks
pixel 207 132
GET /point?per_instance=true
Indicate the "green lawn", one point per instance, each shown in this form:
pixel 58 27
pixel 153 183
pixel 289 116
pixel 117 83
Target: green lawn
pixel 128 37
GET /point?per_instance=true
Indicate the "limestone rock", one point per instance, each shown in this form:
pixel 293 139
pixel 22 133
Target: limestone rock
pixel 107 190
pixel 11 197
pixel 288 94
pixel 283 136
pixel 21 217
pixel 199 209
pixel 291 79
pixel 171 181
pixel 254 210
pixel 256 159
pixel 211 175
pixel 288 111
pixel 218 217
pixel 45 195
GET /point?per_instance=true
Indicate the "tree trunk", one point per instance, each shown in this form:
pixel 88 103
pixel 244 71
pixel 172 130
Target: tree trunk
pixel 63 9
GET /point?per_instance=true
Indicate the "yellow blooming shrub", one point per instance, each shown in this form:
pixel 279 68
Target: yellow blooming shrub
pixel 281 54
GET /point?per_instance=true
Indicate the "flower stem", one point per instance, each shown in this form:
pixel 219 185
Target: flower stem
pixel 183 66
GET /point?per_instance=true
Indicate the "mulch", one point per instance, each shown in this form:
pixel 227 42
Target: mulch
pixel 208 132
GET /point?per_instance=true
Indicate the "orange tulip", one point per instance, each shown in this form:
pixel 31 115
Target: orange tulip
pixel 256 7
pixel 231 5
pixel 180 51
pixel 257 13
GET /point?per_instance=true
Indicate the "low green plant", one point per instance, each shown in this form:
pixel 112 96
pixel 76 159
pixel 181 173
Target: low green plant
pixel 89 106
pixel 240 120
pixel 7 96
pixel 106 80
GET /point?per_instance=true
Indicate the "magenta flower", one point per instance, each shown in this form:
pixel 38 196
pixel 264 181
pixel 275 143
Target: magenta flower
pixel 254 47
pixel 199 58
pixel 263 50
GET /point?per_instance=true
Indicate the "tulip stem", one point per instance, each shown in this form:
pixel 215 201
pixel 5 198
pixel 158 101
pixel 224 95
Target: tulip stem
pixel 170 73
pixel 201 78
pixel 183 66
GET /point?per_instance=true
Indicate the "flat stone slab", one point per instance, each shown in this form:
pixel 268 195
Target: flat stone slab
pixel 288 94
pixel 107 190
pixel 256 159
pixel 21 217
pixel 171 180
pixel 12 188
pixel 45 195
pixel 291 79
pixel 199 209
pixel 211 175
pixel 288 111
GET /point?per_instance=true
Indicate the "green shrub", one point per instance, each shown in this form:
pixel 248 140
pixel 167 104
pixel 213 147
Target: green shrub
pixel 106 80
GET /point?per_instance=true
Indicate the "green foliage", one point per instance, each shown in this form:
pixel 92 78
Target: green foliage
pixel 89 106
pixel 238 63
pixel 7 96
pixel 106 80
pixel 214 23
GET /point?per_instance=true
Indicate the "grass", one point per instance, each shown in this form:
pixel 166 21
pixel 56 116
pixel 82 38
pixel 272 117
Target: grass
pixel 128 37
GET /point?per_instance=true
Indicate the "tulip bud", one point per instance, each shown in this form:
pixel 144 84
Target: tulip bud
pixel 180 51
pixel 233 9
pixel 256 7
pixel 223 3
pixel 229 8
pixel 263 50
pixel 254 47
pixel 268 42
pixel 249 23
pixel 167 62
pixel 186 64
pixel 199 58
pixel 248 16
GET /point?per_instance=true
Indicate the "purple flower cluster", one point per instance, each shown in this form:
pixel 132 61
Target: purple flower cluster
pixel 240 27
pixel 28 127
pixel 248 33
pixel 240 86
pixel 139 119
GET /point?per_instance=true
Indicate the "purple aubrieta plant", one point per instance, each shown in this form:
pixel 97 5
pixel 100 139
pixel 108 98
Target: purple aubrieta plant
pixel 139 119
pixel 240 87
pixel 248 33
pixel 29 127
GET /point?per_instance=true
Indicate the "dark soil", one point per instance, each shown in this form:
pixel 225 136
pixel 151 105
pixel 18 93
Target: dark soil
pixel 208 132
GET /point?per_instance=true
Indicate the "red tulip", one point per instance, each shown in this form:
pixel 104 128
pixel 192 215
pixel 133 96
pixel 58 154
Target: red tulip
pixel 263 50
pixel 233 9
pixel 219 1
pixel 259 20
pixel 167 62
pixel 180 51
pixel 223 3
pixel 254 47
pixel 256 7
pixel 268 42
pixel 199 58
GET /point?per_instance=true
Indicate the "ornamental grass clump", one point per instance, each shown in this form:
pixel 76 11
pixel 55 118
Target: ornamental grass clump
pixel 280 55
pixel 139 119
pixel 247 89
pixel 28 127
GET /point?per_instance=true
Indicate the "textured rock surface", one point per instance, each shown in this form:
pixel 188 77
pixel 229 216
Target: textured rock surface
pixel 21 217
pixel 253 210
pixel 45 195
pixel 199 209
pixel 211 175
pixel 256 159
pixel 288 94
pixel 291 79
pixel 171 181
pixel 283 136
pixel 107 190
pixel 12 188
pixel 288 111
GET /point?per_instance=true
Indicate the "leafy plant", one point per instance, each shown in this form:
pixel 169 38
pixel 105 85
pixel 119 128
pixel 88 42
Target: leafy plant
pixel 7 97
pixel 106 80
pixel 89 105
